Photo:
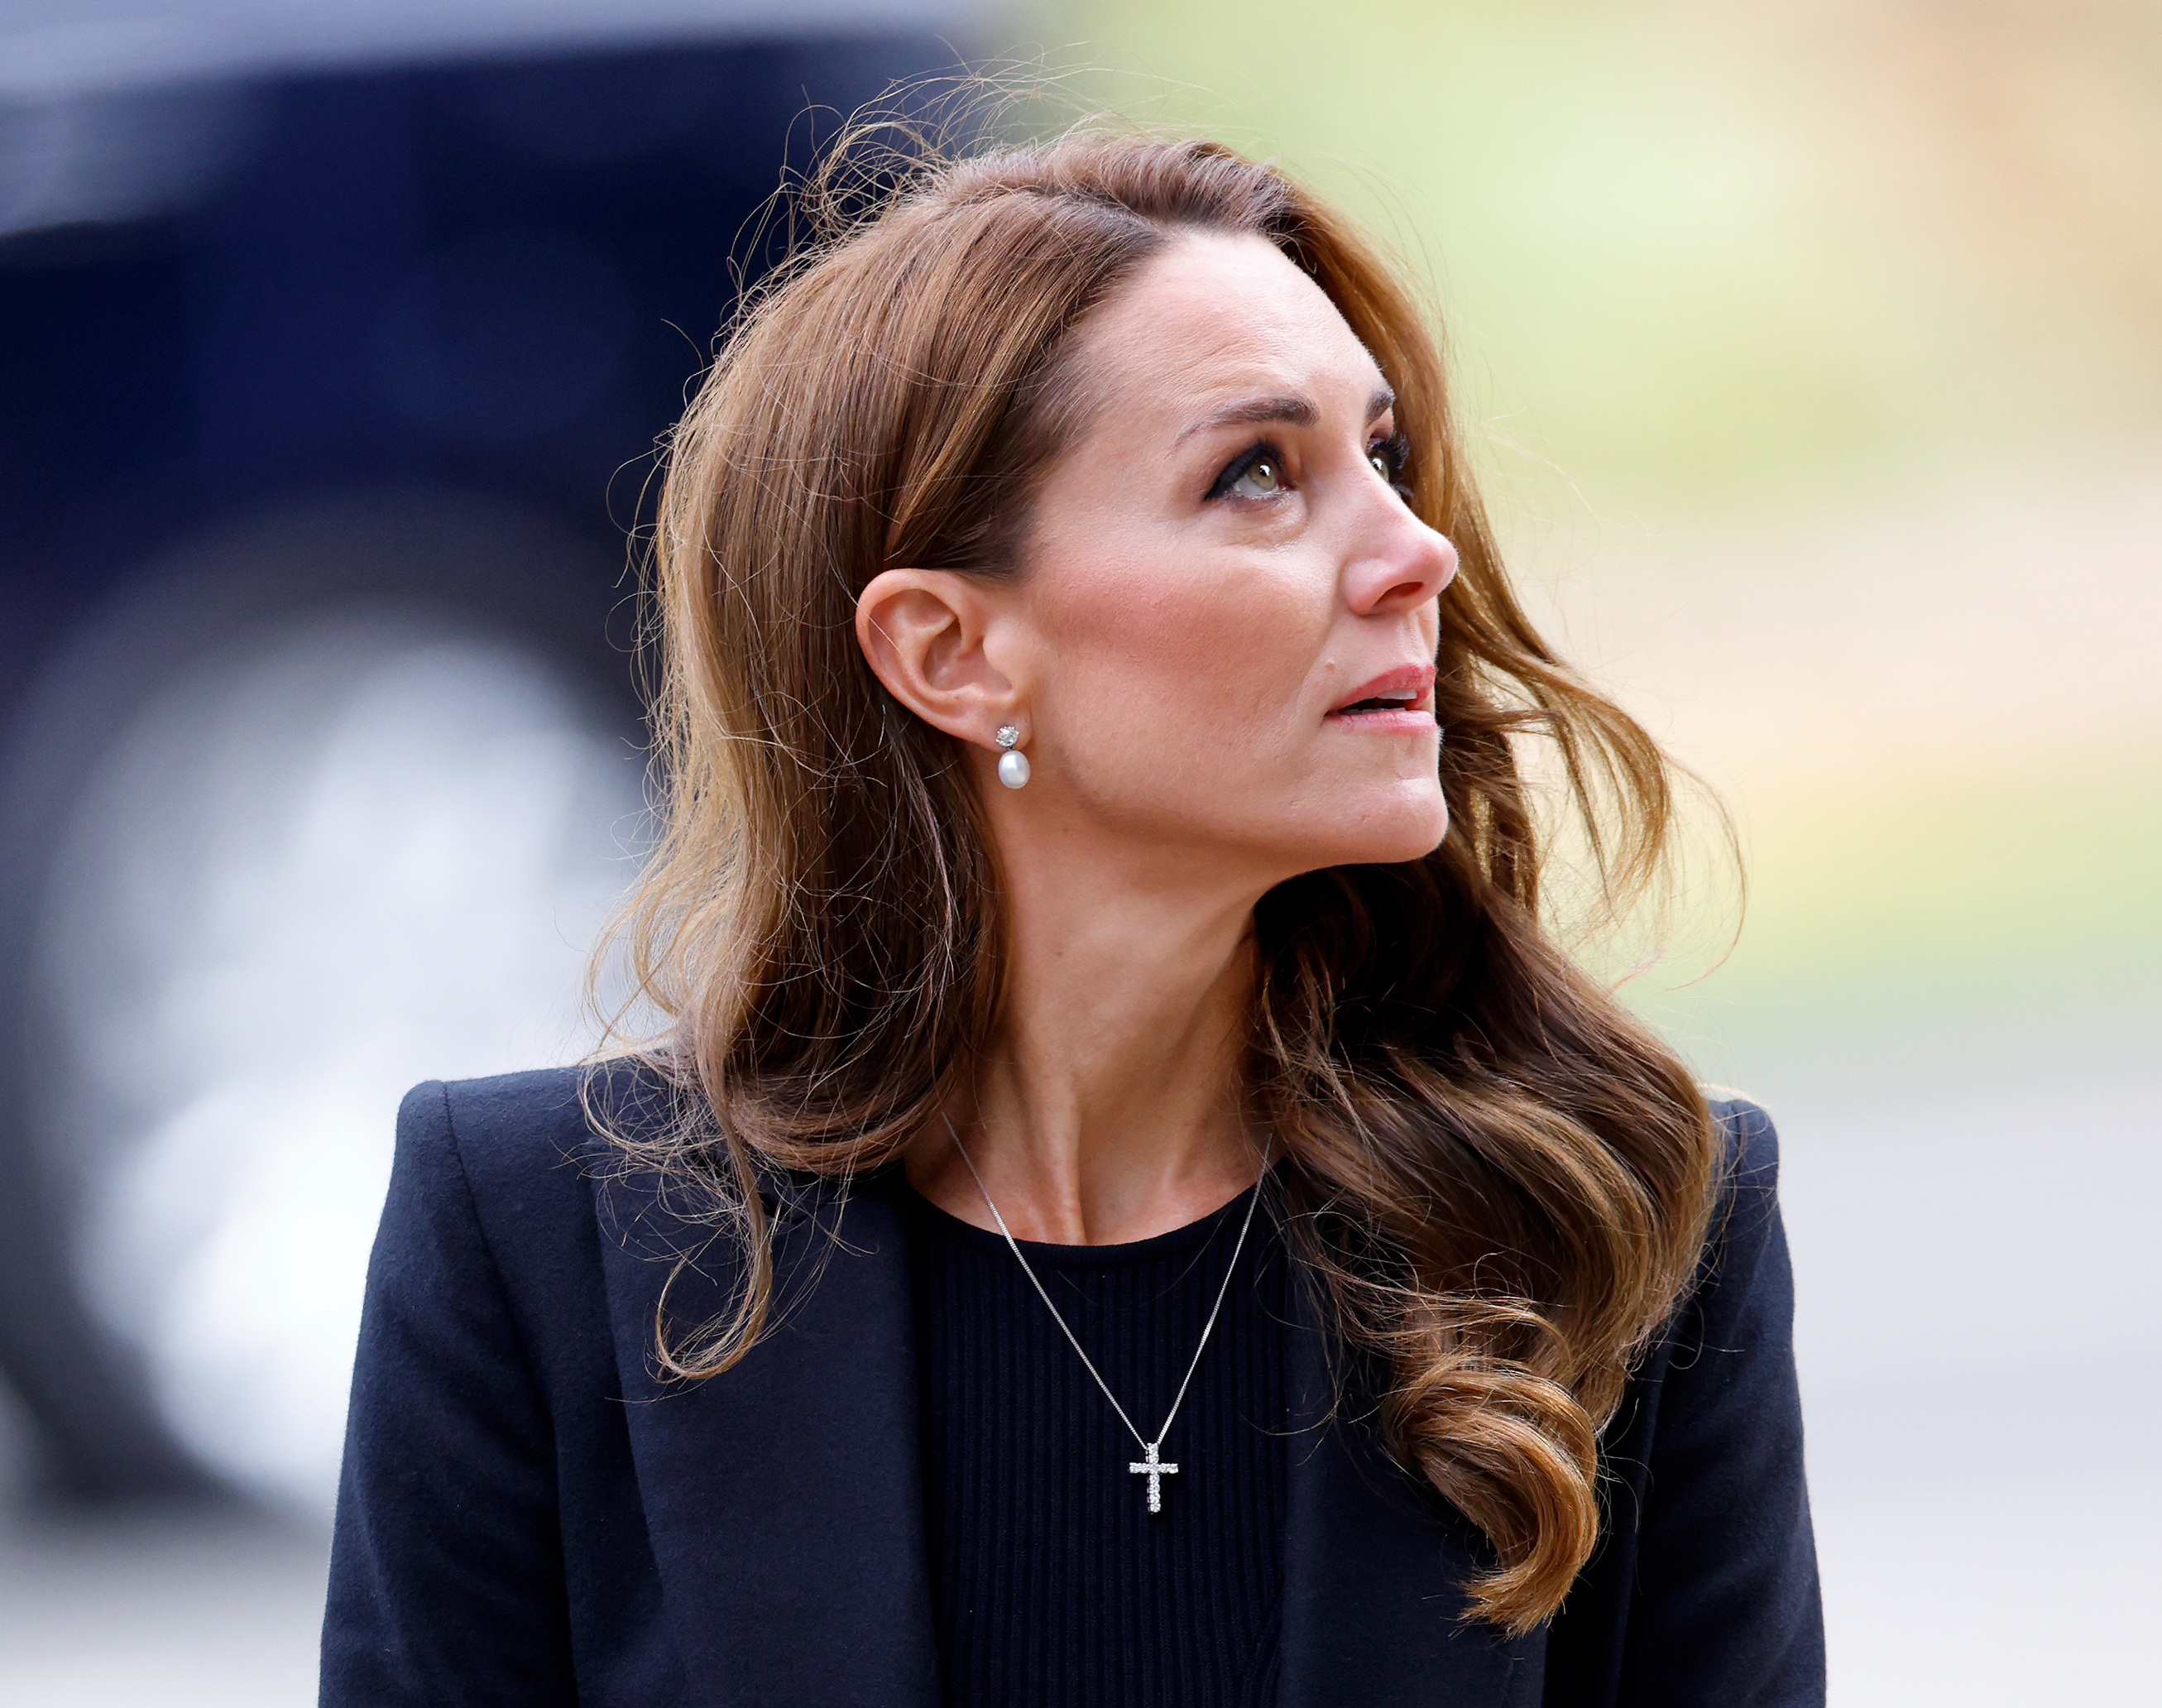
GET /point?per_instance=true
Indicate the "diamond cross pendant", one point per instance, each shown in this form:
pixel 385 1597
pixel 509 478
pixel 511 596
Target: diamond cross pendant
pixel 1155 1470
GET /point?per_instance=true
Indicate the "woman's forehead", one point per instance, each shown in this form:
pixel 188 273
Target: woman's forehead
pixel 1213 320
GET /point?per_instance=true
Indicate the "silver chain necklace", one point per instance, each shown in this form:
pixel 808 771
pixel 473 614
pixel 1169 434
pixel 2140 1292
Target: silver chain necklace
pixel 1149 1464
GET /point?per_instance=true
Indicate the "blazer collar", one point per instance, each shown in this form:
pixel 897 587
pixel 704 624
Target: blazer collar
pixel 785 1498
pixel 1372 1596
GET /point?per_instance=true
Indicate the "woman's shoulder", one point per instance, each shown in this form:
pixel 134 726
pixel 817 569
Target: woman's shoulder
pixel 1748 1206
pixel 1740 1296
pixel 522 1152
pixel 1751 1139
pixel 541 1119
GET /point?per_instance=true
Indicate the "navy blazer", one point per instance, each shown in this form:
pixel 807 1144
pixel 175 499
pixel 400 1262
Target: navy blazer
pixel 528 1516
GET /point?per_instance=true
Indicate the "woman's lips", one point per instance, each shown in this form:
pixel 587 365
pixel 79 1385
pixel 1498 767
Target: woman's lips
pixel 1397 699
pixel 1413 721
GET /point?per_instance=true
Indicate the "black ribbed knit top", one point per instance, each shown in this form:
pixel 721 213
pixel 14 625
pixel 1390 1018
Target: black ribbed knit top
pixel 1051 1582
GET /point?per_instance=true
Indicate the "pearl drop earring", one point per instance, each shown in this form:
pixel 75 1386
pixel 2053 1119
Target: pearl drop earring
pixel 1013 766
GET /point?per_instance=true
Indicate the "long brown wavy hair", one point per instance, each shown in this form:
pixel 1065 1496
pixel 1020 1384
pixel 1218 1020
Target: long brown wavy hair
pixel 1499 1179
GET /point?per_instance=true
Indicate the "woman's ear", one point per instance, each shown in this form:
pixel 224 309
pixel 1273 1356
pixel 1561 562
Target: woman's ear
pixel 922 632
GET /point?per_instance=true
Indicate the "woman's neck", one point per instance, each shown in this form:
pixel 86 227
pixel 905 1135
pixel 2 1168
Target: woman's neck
pixel 1108 1108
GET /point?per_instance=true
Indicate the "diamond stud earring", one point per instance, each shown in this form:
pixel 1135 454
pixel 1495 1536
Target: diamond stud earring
pixel 1013 766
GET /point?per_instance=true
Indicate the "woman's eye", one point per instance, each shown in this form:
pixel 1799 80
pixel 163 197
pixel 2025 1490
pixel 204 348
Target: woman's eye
pixel 1257 472
pixel 1388 457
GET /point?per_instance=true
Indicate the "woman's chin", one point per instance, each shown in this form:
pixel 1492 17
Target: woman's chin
pixel 1406 826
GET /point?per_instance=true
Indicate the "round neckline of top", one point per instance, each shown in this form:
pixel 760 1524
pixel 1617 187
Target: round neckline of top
pixel 1177 1242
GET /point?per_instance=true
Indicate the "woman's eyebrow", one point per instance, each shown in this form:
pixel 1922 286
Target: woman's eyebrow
pixel 1298 411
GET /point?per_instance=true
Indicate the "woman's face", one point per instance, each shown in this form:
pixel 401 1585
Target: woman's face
pixel 1223 636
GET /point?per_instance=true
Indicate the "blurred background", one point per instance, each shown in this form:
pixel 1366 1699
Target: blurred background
pixel 1815 357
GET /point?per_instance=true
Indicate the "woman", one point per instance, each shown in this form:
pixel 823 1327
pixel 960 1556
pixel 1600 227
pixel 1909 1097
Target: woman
pixel 1129 1207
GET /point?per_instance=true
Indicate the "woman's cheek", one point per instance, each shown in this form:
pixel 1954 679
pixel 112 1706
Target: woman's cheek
pixel 1159 634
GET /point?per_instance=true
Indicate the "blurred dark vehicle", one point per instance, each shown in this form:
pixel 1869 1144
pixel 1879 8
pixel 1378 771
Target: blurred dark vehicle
pixel 335 375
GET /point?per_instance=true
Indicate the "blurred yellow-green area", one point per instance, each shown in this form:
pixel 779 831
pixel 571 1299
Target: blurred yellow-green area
pixel 1815 358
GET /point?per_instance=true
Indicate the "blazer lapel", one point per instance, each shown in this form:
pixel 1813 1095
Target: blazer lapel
pixel 784 1496
pixel 1372 1584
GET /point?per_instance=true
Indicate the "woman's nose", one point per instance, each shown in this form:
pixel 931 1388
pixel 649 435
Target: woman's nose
pixel 1399 563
